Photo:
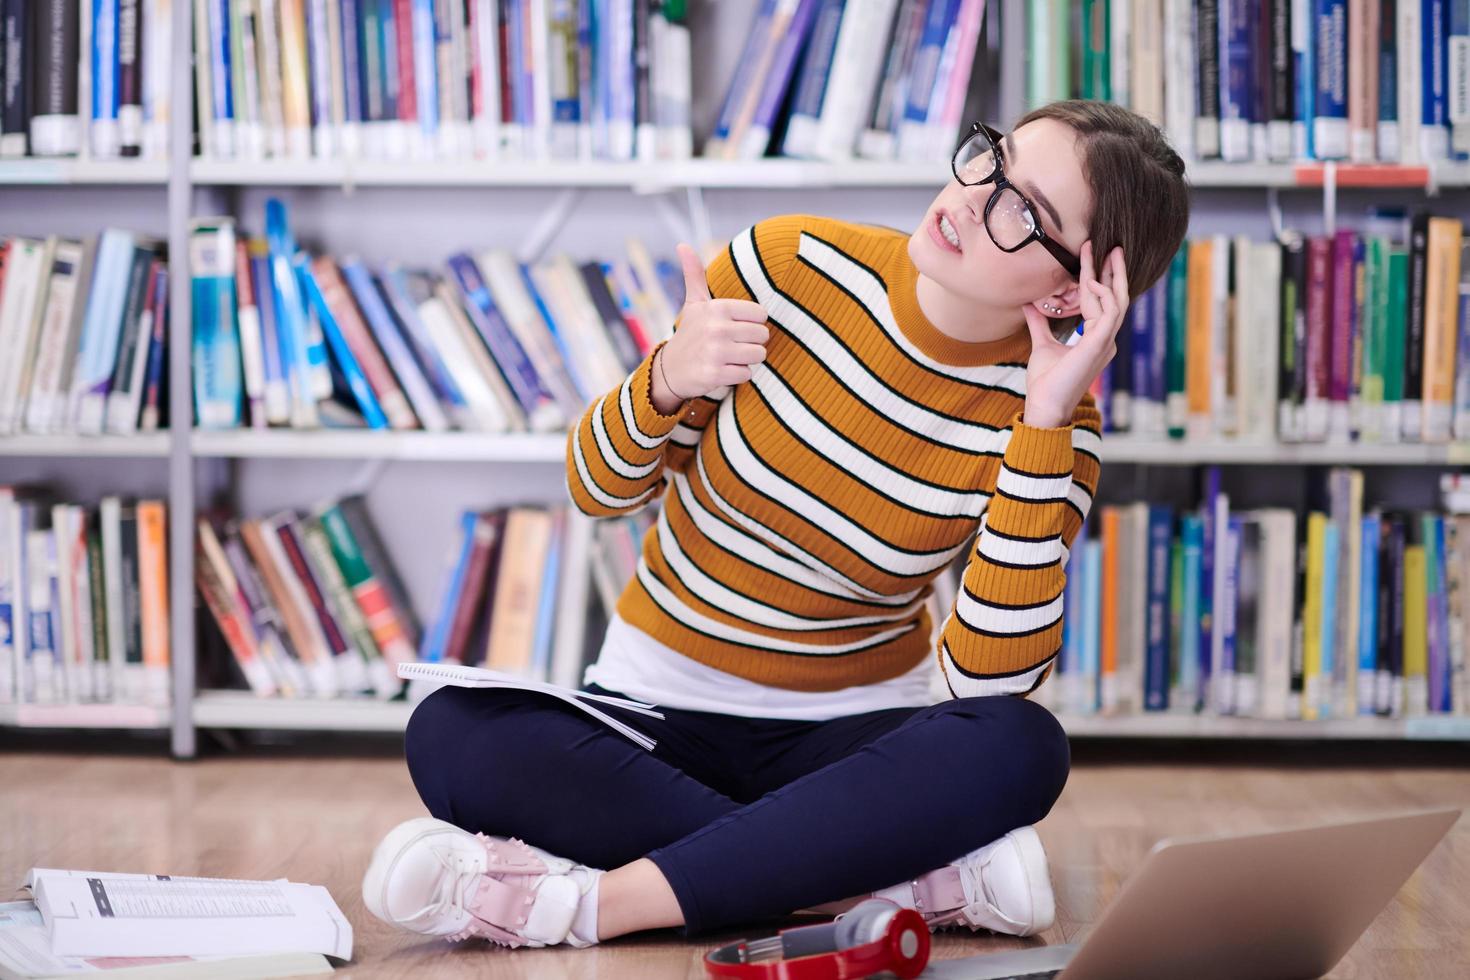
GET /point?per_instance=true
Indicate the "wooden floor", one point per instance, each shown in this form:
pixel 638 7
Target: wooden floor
pixel 276 811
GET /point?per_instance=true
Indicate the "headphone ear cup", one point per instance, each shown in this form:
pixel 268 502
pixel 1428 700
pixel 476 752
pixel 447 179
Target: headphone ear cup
pixel 864 923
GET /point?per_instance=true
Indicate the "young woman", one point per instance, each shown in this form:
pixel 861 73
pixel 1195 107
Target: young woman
pixel 839 411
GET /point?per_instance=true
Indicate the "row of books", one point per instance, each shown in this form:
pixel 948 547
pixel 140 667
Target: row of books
pixel 83 600
pixel 84 328
pixel 423 79
pixel 1339 611
pixel 1361 334
pixel 491 344
pixel 1241 80
pixel 834 80
pixel 307 604
pixel 88 77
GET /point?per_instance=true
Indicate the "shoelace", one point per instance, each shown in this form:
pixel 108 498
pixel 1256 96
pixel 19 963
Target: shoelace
pixel 453 889
pixel 975 879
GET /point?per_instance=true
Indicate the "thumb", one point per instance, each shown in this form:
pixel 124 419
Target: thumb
pixel 1039 326
pixel 695 287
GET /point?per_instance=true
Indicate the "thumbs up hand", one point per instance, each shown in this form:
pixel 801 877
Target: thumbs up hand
pixel 716 344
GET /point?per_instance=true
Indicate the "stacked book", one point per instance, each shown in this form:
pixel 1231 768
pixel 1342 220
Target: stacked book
pixel 872 79
pixel 1359 335
pixel 83 600
pixel 84 328
pixel 86 78
pixel 1254 80
pixel 490 344
pixel 446 79
pixel 1336 611
pixel 308 605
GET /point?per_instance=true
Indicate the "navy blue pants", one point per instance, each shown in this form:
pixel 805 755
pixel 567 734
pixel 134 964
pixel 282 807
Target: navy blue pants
pixel 749 819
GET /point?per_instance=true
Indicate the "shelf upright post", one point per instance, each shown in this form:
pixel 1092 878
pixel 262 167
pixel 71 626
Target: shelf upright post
pixel 180 460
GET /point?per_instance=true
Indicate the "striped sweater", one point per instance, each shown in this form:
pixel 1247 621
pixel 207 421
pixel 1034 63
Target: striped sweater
pixel 807 511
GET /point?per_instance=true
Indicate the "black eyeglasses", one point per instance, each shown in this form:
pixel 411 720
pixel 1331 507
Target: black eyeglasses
pixel 1010 219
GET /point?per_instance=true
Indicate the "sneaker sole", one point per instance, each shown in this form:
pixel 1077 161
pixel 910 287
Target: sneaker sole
pixel 385 860
pixel 1033 855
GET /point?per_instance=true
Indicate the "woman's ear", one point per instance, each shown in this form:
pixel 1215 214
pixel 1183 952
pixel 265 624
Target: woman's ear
pixel 1064 302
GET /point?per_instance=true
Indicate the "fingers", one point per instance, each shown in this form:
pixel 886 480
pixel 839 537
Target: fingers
pixel 745 354
pixel 695 286
pixel 1085 275
pixel 1120 276
pixel 741 309
pixel 1039 327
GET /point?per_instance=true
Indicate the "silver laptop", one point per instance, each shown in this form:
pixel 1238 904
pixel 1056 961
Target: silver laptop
pixel 1277 906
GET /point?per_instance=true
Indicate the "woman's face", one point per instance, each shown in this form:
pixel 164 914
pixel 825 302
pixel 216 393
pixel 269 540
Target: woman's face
pixel 1041 159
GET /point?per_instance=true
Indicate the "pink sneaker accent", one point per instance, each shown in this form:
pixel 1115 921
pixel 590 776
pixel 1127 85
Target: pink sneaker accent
pixel 501 903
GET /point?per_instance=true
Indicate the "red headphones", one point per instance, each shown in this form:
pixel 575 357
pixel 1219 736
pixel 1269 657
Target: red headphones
pixel 873 935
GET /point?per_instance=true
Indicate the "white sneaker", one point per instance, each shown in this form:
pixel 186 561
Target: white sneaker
pixel 431 877
pixel 1004 887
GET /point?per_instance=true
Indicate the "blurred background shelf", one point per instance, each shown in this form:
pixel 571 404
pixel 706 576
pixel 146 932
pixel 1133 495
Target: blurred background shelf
pixel 354 444
pixel 149 444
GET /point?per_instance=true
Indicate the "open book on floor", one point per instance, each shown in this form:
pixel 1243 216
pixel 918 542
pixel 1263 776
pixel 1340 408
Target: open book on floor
pixel 424 678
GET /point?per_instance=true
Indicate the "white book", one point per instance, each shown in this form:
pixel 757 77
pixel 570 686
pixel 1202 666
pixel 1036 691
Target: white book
pixel 673 95
pixel 486 413
pixel 109 517
pixel 158 42
pixel 503 277
pixel 272 104
pixel 1221 691
pixel 94 913
pixel 431 676
pixel 63 610
pixel 485 45
pixel 34 331
pixel 1181 67
pixel 11 611
pixel 1409 36
pixel 478 360
pixel 1277 597
pixel 856 61
pixel 71 275
pixel 25 277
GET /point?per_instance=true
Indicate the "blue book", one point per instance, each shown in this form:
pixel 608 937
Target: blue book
pixel 436 637
pixel 1389 146
pixel 585 389
pixel 1224 683
pixel 1140 351
pixel 811 81
pixel 1368 610
pixel 1156 637
pixel 395 349
pixel 388 59
pixel 352 373
pixel 1159 352
pixel 1329 108
pixel 1331 555
pixel 1091 627
pixel 426 81
pixel 622 107
pixel 221 90
pixel 101 327
pixel 291 320
pixel 535 401
pixel 1439 614
pixel 277 389
pixel 1304 80
pixel 319 70
pixel 540 667
pixel 394 287
pixel 352 88
pixel 1191 529
pixel 106 140
pixel 1069 660
pixel 1434 129
pixel 1207 581
pixel 744 78
pixel 1457 97
pixel 1237 79
pixel 924 72
pixel 215 344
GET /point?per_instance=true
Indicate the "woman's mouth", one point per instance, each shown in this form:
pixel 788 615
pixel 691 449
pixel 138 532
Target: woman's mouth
pixel 945 235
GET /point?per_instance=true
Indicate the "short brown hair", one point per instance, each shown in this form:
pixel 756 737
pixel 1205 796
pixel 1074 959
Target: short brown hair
pixel 1139 197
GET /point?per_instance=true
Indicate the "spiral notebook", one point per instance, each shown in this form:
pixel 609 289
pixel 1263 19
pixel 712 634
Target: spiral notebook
pixel 458 675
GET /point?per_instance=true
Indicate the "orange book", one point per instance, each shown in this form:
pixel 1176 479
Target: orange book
pixel 1108 614
pixel 523 555
pixel 1441 319
pixel 153 596
pixel 1198 343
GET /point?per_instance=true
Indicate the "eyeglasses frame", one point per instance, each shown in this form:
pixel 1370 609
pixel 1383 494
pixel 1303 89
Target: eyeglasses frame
pixel 1060 252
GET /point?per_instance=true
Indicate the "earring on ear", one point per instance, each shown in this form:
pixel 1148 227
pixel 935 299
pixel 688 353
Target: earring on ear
pixel 1053 310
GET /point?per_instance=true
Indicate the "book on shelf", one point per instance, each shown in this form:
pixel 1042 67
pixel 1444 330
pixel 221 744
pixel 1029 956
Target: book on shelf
pixel 488 344
pixel 85 327
pixel 1366 81
pixel 312 605
pixel 83 600
pixel 1357 336
pixel 457 80
pixel 1340 610
pixel 85 78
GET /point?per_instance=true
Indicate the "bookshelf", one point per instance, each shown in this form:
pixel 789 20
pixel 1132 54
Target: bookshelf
pixel 420 202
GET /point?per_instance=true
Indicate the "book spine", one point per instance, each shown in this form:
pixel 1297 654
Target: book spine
pixel 332 301
pixel 252 357
pixel 319 80
pixel 153 598
pixel 511 357
pixel 55 126
pixel 216 341
pixel 130 77
pixel 151 416
pixel 372 598
pixel 1434 132
pixel 394 348
pixel 1414 314
pixel 1317 360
